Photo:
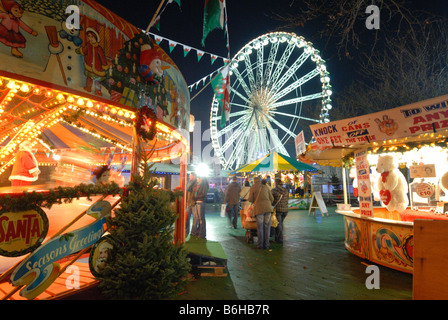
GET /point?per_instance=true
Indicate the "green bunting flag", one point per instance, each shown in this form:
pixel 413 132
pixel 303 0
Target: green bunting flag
pixel 213 17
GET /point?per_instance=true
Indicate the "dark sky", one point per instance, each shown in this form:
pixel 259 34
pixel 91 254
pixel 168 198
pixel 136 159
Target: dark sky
pixel 247 19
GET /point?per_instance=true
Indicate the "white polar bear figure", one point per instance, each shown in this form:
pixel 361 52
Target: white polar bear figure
pixel 392 185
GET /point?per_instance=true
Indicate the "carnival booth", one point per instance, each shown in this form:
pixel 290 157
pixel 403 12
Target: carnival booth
pixel 76 91
pixel 399 162
pixel 294 175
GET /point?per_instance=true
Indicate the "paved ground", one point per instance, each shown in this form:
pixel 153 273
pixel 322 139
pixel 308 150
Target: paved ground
pixel 312 264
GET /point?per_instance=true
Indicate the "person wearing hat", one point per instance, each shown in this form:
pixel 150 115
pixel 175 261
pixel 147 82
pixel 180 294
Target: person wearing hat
pixel 95 62
pixel 9 27
pixel 25 169
pixel 151 64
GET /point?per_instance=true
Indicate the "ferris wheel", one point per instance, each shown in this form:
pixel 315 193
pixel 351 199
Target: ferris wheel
pixel 279 86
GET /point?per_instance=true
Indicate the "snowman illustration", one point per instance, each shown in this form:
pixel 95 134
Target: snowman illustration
pixel 151 64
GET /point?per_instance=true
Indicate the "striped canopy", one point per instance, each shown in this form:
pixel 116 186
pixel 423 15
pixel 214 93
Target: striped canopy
pixel 275 161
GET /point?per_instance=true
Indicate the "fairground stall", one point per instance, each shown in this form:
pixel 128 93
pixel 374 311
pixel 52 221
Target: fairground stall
pixel 399 166
pixel 78 85
pixel 295 175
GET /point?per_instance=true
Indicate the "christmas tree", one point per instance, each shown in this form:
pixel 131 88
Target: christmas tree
pixel 144 262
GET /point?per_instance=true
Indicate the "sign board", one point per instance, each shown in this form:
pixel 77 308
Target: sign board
pixel 38 271
pixel 364 184
pixel 22 232
pixel 317 202
pixel 427 116
pixel 422 171
pixel 300 143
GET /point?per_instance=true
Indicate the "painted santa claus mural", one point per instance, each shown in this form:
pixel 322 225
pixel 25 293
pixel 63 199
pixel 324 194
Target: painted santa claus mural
pixel 25 169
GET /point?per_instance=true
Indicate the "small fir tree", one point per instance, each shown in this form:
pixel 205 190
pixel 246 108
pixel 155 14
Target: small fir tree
pixel 144 262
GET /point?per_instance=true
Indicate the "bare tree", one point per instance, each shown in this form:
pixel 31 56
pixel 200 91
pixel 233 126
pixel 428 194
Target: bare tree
pixel 344 21
pixel 408 68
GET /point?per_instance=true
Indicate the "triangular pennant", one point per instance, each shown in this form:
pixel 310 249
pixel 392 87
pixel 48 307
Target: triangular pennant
pixel 172 44
pixel 200 54
pixel 158 39
pixel 186 50
pixel 213 58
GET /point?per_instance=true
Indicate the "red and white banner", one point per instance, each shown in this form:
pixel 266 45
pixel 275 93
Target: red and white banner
pixel 428 116
pixel 364 184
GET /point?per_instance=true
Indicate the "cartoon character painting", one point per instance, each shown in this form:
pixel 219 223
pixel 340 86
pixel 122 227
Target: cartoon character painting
pixel 10 14
pixel 71 35
pixel 95 62
pixel 151 66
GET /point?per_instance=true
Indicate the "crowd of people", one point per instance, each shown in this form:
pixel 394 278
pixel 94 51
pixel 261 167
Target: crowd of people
pixel 259 197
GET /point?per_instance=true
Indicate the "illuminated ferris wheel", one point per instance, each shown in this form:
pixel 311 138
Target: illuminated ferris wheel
pixel 279 86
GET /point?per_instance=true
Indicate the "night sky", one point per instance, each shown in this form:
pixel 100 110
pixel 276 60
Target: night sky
pixel 247 19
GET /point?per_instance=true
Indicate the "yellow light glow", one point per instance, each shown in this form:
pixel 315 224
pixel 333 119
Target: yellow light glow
pixel 11 84
pixel 24 88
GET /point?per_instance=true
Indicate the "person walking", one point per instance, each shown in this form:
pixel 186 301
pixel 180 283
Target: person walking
pixel 232 199
pixel 262 198
pixel 244 195
pixel 190 201
pixel 281 197
pixel 199 227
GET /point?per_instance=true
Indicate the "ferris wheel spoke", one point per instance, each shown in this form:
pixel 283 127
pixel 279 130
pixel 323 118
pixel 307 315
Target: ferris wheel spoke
pixel 260 66
pixel 296 100
pixel 239 105
pixel 250 73
pixel 232 138
pixel 292 70
pixel 232 125
pixel 237 93
pixel 232 115
pixel 241 82
pixel 276 140
pixel 236 156
pixel 270 63
pixel 294 116
pixel 299 82
pixel 284 58
pixel 292 134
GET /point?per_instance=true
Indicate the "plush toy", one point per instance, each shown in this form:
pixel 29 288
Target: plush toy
pixel 151 64
pixel 391 185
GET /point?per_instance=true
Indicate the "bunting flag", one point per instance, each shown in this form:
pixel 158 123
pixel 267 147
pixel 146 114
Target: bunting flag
pixel 156 22
pixel 213 17
pixel 177 1
pixel 221 87
pixel 186 49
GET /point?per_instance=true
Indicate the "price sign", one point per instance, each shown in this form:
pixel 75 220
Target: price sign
pixel 424 190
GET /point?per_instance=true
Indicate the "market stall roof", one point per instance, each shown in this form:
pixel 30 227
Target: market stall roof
pixel 50 97
pixel 399 129
pixel 275 161
pixel 53 121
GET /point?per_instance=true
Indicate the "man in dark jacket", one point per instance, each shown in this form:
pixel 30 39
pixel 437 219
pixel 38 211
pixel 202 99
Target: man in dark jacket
pixel 232 198
pixel 281 197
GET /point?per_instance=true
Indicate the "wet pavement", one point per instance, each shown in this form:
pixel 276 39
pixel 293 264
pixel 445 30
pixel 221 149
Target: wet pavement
pixel 312 264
